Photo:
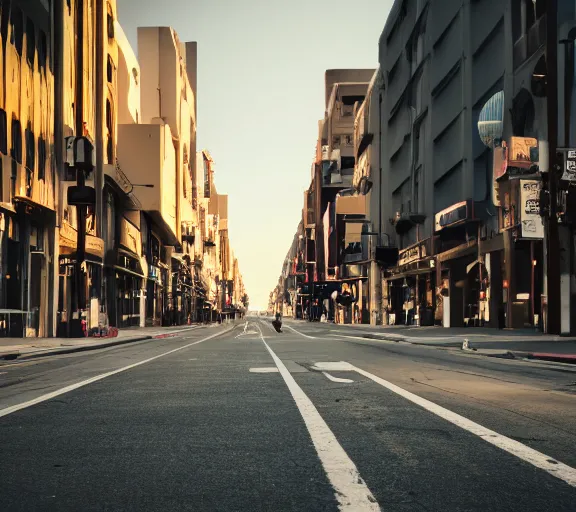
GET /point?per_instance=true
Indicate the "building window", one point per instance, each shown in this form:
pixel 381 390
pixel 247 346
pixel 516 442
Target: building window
pixel 17 29
pixel 16 152
pixel 392 72
pixel 109 69
pixel 30 148
pixel 348 140
pixel 336 141
pixel 348 103
pixel 415 51
pixel 109 127
pixel 42 50
pixel 417 175
pixel 348 162
pixel 36 238
pixel 416 145
pixel 41 158
pixel 401 16
pixel 30 42
pixel 110 23
pixel 3 132
pixel 4 23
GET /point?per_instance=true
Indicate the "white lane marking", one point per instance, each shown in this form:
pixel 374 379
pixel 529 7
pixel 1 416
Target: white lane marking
pixel 335 366
pixel 193 359
pixel 264 370
pixel 360 338
pixel 72 387
pixel 337 379
pixel 245 333
pixel 527 454
pixel 351 491
pixel 300 333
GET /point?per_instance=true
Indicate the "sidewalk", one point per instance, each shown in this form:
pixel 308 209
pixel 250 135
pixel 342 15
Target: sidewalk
pixel 521 343
pixel 12 348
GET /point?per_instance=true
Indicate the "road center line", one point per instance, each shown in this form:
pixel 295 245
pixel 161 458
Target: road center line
pixel 351 491
pixel 527 454
pixel 72 387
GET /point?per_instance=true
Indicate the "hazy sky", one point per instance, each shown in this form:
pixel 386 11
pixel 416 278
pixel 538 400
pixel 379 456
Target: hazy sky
pixel 260 96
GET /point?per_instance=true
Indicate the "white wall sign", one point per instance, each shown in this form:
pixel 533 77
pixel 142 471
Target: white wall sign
pixel 532 226
pixel 569 173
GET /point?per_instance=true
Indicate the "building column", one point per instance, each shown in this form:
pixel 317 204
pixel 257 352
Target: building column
pixel 509 275
pixel 567 287
pixel 375 279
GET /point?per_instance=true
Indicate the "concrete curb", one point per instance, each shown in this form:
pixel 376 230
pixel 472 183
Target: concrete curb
pixel 558 358
pixel 79 348
pixel 466 347
pixel 11 356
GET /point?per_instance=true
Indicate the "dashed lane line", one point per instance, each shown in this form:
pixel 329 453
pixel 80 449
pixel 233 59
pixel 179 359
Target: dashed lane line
pixel 351 492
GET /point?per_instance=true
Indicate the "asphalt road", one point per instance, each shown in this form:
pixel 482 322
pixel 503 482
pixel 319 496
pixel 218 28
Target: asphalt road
pixel 314 418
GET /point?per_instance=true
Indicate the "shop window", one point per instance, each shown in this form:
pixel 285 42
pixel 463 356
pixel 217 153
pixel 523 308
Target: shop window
pixel 30 42
pixel 17 29
pixel 3 132
pixel 41 158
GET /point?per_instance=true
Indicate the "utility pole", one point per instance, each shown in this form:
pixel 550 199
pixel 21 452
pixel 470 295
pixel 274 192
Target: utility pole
pixel 552 238
pixel 99 142
pixel 79 297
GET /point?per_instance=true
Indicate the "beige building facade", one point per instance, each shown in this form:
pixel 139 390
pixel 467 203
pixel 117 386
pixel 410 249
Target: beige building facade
pixel 155 247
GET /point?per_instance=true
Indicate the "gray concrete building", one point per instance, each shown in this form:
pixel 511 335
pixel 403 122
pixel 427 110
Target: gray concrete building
pixel 441 61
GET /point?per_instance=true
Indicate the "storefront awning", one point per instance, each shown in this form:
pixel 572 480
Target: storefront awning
pixel 410 273
pixel 457 252
pixel 88 257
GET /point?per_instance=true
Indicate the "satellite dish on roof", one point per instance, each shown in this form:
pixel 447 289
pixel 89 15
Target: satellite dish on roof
pixel 491 120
